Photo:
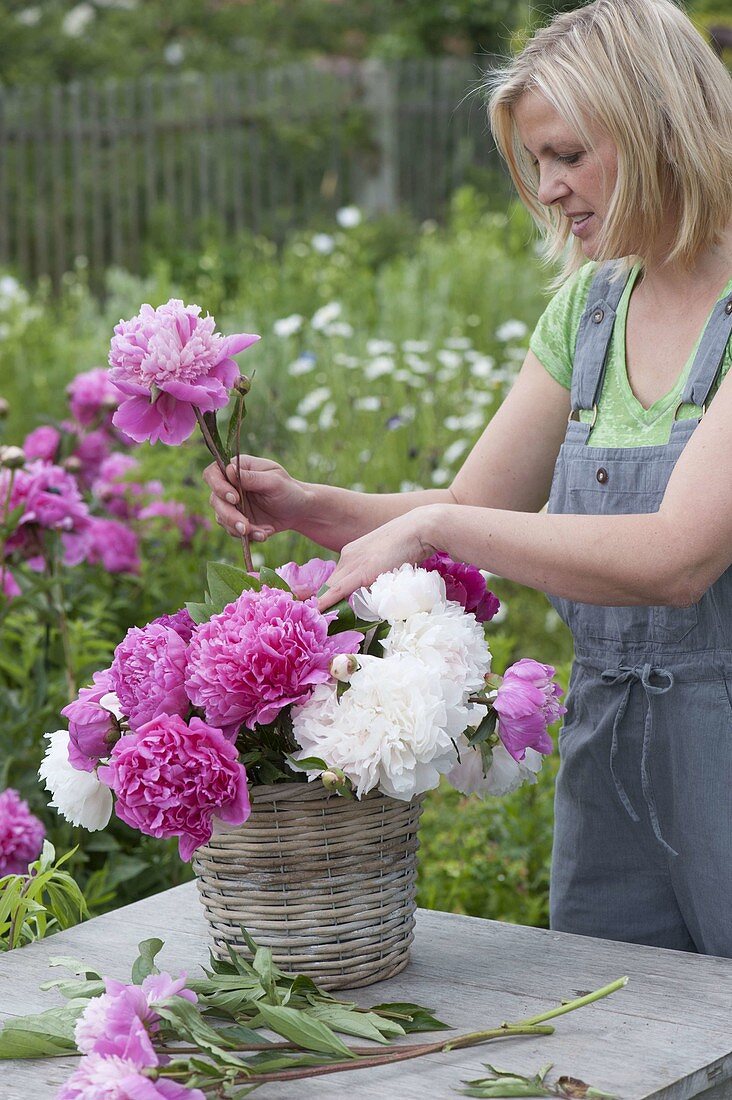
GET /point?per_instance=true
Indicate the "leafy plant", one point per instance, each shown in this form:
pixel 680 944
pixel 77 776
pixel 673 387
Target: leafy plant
pixel 39 902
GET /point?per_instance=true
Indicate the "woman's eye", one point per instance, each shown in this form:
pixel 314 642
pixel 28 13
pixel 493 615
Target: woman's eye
pixel 569 158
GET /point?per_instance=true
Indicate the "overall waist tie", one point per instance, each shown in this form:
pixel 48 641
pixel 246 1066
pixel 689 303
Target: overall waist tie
pixel 629 675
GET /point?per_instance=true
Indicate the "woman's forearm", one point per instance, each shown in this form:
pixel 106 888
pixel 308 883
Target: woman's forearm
pixel 610 560
pixel 337 516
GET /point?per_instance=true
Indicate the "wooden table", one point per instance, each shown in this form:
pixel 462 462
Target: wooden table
pixel 667 1035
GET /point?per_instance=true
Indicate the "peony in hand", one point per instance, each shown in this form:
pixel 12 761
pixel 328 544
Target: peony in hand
pixel 527 702
pixel 168 362
pixel 172 779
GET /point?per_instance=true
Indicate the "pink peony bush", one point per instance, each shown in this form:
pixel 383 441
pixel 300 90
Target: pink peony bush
pixel 21 834
pixel 172 779
pixel 262 653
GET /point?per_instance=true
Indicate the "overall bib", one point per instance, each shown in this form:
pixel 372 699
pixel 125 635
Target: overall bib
pixel 643 811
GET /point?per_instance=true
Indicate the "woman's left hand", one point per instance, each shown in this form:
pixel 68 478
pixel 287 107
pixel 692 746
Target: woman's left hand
pixel 408 538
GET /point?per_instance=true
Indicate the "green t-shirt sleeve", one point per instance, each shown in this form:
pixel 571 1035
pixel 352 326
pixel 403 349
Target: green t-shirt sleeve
pixel 554 338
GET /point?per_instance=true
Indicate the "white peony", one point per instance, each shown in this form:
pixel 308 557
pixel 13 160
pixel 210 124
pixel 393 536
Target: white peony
pixel 448 640
pixel 348 217
pixel 78 796
pixel 388 730
pixel 397 595
pixel 504 775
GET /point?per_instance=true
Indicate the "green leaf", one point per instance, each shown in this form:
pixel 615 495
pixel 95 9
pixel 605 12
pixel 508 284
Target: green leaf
pixel 294 1024
pixel 199 612
pixel 219 591
pixel 412 1017
pixel 366 1025
pixel 41 1035
pixel 486 728
pixel 238 580
pixel 144 964
pixel 190 1026
pixel 75 966
pixel 308 763
pixel 273 580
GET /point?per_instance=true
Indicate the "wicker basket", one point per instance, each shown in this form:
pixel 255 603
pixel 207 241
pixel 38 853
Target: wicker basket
pixel 327 882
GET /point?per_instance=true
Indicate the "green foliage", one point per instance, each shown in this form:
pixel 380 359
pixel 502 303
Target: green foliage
pixel 39 902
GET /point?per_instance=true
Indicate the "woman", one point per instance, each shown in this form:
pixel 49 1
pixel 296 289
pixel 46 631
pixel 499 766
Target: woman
pixel 616 124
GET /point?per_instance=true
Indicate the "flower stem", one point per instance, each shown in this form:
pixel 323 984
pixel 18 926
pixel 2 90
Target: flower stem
pixel 221 463
pixel 56 605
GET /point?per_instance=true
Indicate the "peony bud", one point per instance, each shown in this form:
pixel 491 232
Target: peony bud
pixel 72 464
pixel 12 458
pixel 333 778
pixel 343 666
pixel 243 385
pixel 4 408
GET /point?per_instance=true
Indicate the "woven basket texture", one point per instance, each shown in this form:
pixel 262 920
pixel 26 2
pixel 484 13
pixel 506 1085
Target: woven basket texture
pixel 327 882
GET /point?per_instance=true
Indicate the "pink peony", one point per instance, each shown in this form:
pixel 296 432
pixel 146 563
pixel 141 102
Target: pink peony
pixel 527 702
pixel 117 1079
pixel 92 728
pixel 9 587
pixel 148 673
pixel 105 542
pixel 465 585
pixel 177 515
pixel 306 580
pixel 261 653
pixel 166 362
pixel 42 443
pixel 92 396
pixel 122 1020
pixel 49 497
pixel 91 451
pixel 181 622
pixel 172 779
pixel 21 834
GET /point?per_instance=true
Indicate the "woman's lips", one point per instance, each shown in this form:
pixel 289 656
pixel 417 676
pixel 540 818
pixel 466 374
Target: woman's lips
pixel 580 223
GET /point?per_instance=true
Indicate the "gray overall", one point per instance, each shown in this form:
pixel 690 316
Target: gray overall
pixel 643 814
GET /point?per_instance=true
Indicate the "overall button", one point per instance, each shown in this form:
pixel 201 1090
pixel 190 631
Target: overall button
pixel 598 316
pixel 728 307
pixel 602 475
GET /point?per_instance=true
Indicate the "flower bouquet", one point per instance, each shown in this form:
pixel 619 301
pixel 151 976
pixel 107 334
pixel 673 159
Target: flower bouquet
pixel 288 749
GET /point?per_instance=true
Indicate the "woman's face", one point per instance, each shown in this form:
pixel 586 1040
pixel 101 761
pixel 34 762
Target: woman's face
pixel 580 181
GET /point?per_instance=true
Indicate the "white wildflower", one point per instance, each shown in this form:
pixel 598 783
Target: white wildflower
pixel 482 367
pixel 296 424
pixel 379 347
pixel 327 417
pixel 417 365
pixel 454 451
pixel 326 315
pixel 382 364
pixel 313 400
pixel 449 359
pixel 339 328
pixel 511 330
pixel 323 243
pixel 458 343
pixel 75 22
pixel 441 476
pixel 348 217
pixel 418 347
pixel 369 403
pixel 174 53
pixel 288 326
pixel 304 364
pixel 78 796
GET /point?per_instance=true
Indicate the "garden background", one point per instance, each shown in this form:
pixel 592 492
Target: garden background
pixel 316 171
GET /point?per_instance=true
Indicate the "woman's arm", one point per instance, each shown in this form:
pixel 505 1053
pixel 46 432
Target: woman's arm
pixel 510 467
pixel 667 557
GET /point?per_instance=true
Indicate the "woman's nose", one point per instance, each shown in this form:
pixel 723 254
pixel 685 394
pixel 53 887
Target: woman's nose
pixel 552 187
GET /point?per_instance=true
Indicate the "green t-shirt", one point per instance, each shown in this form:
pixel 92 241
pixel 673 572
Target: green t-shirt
pixel 621 419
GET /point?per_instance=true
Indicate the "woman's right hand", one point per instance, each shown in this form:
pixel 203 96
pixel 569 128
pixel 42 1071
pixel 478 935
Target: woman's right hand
pixel 273 500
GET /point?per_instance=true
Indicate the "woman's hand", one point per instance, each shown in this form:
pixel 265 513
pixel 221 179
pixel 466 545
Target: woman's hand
pixel 273 500
pixel 412 537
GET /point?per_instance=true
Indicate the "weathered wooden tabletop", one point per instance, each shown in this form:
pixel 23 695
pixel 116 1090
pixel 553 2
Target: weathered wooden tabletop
pixel 667 1035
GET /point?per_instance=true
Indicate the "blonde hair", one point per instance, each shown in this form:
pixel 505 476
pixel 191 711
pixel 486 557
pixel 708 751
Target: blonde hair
pixel 639 71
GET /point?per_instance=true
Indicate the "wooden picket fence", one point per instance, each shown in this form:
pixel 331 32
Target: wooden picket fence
pixel 102 170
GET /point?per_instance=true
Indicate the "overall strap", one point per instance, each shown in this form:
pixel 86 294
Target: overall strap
pixel 707 362
pixel 593 340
